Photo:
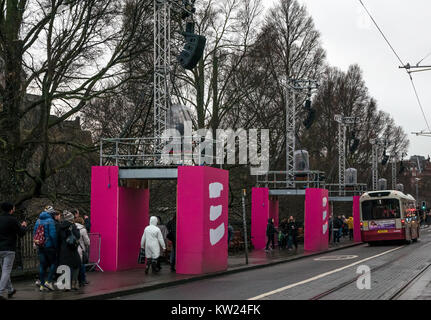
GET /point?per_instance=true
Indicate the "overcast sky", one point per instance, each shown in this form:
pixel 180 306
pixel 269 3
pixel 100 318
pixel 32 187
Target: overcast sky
pixel 349 37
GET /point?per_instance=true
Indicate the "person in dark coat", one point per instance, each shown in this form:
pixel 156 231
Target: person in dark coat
pixel 292 233
pixel 69 256
pixel 270 232
pixel 338 224
pixel 10 230
pixel 172 236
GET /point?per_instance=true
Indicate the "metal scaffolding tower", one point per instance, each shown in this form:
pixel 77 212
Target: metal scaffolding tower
pixel 162 68
pixel 343 123
pixel 295 86
pixel 290 138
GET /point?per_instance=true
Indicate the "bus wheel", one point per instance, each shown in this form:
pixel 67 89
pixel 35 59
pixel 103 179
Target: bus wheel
pixel 408 241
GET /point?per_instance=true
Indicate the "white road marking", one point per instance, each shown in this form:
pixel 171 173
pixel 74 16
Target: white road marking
pixel 335 258
pixel 321 275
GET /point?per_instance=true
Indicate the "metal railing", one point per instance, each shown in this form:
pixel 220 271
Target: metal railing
pixel 140 152
pixel 26 258
pixel 279 180
pixel 347 191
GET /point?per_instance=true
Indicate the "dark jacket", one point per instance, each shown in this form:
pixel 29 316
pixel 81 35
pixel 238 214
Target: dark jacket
pixel 48 223
pixel 284 227
pixel 270 229
pixel 10 229
pixel 68 256
pixel 87 224
pixel 338 223
pixel 292 228
pixel 172 230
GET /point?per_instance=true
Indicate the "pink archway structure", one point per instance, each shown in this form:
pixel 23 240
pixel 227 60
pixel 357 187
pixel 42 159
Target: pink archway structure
pixel 317 212
pixel 356 220
pixel 120 213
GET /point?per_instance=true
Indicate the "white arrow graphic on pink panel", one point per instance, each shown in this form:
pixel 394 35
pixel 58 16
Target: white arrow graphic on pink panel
pixel 216 234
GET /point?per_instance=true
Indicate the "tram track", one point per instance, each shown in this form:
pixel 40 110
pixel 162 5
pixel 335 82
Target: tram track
pixel 397 294
pixel 346 283
pixel 405 287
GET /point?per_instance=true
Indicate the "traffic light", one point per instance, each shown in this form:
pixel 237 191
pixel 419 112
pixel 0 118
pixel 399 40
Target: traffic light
pixel 193 49
pixel 424 205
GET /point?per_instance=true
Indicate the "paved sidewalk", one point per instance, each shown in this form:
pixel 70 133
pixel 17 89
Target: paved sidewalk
pixel 104 285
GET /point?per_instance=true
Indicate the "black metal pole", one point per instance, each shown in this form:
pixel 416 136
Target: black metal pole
pixel 244 225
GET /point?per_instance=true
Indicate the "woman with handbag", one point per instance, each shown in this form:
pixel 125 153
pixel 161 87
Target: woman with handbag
pixel 68 239
pixel 84 245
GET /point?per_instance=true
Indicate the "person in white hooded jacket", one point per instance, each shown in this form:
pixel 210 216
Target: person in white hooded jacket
pixel 151 241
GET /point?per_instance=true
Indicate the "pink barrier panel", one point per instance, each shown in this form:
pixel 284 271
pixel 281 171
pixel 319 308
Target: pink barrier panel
pixel 94 248
pixel 316 228
pixel 104 214
pixel 356 220
pixel 259 216
pixel 132 220
pixel 202 220
pixel 119 215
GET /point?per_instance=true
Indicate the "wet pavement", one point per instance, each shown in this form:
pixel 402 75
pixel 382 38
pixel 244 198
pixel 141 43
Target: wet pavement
pixel 392 267
pixel 104 285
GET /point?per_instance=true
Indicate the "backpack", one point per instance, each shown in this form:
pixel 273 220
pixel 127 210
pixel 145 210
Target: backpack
pixel 71 240
pixel 39 236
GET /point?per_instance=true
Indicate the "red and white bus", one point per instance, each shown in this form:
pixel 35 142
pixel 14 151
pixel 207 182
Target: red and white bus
pixel 388 215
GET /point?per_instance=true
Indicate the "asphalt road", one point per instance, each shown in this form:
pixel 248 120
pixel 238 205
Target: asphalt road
pixel 331 276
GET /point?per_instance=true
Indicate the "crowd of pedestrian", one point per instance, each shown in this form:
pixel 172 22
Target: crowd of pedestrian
pixel 287 234
pixel 61 239
pixel 340 227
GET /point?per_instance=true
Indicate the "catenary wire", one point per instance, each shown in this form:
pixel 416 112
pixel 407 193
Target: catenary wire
pixel 381 32
pixel 399 59
pixel 429 54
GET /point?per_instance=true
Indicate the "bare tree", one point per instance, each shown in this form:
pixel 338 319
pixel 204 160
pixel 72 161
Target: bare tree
pixel 346 93
pixel 65 52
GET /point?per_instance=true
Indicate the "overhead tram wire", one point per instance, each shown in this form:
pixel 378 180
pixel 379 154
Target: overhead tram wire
pixel 419 101
pixel 381 32
pixel 399 59
pixel 428 55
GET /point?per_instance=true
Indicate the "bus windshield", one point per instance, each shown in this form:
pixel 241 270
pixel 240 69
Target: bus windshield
pixel 381 209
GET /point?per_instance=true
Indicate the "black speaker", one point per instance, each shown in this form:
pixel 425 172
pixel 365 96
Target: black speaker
pixel 308 122
pixel 193 50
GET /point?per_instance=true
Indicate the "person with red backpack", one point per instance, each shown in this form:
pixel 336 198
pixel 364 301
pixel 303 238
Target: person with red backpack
pixel 45 240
